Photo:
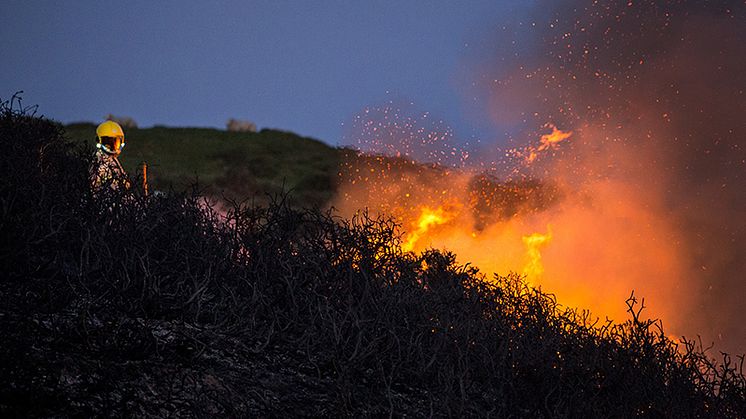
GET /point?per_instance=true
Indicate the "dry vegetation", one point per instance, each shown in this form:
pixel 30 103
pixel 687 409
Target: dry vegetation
pixel 125 305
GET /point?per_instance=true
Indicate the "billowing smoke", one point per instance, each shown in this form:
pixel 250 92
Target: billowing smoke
pixel 624 170
pixel 654 93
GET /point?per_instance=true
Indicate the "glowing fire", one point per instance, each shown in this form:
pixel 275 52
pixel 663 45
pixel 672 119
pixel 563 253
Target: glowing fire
pixel 421 234
pixel 428 218
pixel 534 242
pixel 598 224
pixel 546 142
pixel 552 139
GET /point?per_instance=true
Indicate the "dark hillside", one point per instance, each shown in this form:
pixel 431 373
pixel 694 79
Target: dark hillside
pixel 122 305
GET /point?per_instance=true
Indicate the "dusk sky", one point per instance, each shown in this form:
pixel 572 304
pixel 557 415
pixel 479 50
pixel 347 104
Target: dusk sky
pixel 306 67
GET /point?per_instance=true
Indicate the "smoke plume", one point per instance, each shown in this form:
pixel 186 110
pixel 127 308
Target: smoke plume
pixel 624 172
pixel 654 93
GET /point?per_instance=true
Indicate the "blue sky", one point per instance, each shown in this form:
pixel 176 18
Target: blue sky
pixel 302 66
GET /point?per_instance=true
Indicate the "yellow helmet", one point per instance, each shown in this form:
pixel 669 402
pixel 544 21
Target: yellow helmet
pixel 110 137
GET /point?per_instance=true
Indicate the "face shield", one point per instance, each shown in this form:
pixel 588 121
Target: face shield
pixel 111 145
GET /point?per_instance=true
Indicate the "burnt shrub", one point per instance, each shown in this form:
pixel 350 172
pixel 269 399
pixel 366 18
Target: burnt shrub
pixel 118 303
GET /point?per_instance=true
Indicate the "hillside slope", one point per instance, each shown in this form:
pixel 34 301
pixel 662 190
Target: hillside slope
pixel 119 304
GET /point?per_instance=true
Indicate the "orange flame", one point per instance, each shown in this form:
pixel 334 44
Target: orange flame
pixel 555 137
pixel 534 242
pixel 597 223
pixel 546 142
pixel 428 218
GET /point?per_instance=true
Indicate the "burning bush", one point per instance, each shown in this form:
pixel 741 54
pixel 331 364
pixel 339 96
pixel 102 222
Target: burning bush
pixel 127 305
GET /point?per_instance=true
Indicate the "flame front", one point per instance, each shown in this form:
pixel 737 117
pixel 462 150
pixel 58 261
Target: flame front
pixel 422 233
pixel 597 224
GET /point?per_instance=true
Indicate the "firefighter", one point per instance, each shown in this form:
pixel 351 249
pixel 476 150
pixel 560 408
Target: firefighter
pixel 107 170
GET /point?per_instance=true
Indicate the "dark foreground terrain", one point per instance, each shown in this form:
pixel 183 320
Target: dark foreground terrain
pixel 125 305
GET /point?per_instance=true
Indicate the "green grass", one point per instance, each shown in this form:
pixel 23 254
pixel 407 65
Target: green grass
pixel 234 164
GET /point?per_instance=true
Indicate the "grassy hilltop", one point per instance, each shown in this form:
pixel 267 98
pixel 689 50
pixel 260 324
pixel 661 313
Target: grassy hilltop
pixel 119 304
pixel 237 164
pixel 256 166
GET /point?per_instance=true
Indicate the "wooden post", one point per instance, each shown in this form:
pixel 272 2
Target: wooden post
pixel 145 177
